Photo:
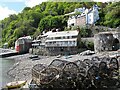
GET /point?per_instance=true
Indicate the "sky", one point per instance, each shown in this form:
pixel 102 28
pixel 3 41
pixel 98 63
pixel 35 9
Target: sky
pixel 8 7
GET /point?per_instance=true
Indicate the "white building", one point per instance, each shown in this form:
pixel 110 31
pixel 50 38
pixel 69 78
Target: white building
pixel 60 42
pixel 62 39
pixel 91 16
pixel 71 21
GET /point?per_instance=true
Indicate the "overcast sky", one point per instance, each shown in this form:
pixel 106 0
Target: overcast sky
pixel 8 7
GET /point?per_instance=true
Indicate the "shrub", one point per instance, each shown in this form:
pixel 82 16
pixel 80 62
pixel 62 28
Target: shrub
pixel 89 45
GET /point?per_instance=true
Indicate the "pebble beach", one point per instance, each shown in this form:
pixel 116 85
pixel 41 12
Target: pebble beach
pixel 21 70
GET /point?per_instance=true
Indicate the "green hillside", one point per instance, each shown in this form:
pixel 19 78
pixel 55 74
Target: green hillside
pixel 49 15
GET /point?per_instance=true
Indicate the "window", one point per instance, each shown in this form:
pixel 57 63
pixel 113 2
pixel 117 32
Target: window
pixel 63 37
pixel 89 19
pixel 66 42
pixel 57 37
pixel 94 15
pixel 72 24
pixel 54 42
pixel 67 37
pixel 74 36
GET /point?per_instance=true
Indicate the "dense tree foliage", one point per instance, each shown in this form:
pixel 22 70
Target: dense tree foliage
pixel 49 15
pixel 51 22
pixel 110 14
pixel 112 17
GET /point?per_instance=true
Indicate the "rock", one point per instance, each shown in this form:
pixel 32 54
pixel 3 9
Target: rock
pixel 87 52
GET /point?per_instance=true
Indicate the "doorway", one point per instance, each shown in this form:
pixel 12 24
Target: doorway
pixel 115 45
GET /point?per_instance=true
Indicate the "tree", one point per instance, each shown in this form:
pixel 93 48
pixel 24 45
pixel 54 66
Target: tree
pixel 49 15
pixel 44 23
pixel 26 9
pixel 112 17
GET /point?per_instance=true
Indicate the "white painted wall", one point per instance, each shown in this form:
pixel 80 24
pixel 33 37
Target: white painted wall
pixel 93 16
pixel 71 21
